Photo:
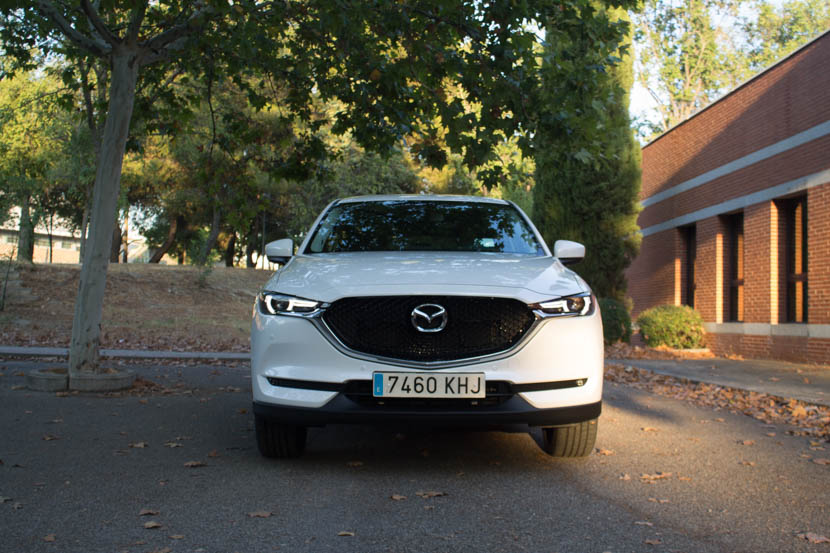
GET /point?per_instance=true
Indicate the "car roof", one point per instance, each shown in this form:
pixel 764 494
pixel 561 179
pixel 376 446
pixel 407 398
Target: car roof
pixel 422 198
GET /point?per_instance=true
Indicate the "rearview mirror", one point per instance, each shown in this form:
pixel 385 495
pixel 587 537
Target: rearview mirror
pixel 568 252
pixel 279 251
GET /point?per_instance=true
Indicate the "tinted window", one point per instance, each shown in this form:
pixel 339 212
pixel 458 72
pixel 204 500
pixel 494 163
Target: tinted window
pixel 423 226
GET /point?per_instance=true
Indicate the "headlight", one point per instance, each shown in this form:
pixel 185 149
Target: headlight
pixel 568 306
pixel 279 304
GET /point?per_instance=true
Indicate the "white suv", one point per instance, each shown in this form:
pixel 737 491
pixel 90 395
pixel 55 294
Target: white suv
pixel 435 310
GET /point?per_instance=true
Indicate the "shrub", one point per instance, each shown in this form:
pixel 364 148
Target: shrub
pixel 616 322
pixel 676 326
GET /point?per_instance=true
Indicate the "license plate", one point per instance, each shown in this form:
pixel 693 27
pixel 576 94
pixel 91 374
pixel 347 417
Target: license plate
pixel 437 385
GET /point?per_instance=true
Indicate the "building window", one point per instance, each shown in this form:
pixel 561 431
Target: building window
pixel 689 235
pixel 795 256
pixel 734 268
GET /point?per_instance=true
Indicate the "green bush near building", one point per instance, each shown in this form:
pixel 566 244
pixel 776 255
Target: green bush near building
pixel 676 326
pixel 616 321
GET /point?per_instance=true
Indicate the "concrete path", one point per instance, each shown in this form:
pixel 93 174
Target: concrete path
pixel 809 383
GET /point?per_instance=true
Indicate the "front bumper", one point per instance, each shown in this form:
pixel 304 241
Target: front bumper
pixel 342 410
pixel 293 349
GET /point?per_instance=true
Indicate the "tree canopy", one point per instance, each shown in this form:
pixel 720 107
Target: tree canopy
pixel 388 64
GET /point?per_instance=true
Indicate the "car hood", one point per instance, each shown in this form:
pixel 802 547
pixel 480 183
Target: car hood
pixel 328 277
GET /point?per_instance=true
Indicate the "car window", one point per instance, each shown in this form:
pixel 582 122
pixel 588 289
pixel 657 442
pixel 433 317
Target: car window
pixel 409 225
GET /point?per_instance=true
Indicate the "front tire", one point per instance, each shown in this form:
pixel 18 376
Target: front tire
pixel 279 441
pixel 575 440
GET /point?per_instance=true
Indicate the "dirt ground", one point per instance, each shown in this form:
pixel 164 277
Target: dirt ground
pixel 166 307
pixel 147 306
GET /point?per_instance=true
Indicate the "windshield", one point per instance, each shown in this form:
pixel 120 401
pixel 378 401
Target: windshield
pixel 413 225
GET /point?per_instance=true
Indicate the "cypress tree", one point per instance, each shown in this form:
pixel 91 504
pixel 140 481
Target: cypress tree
pixel 588 162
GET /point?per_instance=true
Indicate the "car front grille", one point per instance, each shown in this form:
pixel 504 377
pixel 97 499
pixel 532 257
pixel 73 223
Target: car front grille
pixel 382 326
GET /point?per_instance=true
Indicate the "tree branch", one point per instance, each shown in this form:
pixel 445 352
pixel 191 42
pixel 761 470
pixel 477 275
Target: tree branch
pixel 161 40
pixel 91 45
pixel 135 21
pixel 97 24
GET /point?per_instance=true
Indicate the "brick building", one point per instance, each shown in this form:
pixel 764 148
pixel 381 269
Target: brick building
pixel 736 214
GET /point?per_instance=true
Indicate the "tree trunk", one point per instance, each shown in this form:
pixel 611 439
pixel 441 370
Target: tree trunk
pixel 84 227
pixel 26 232
pixel 175 224
pixel 51 241
pixel 89 304
pixel 250 245
pixel 212 236
pixel 124 237
pixel 230 251
pixel 115 247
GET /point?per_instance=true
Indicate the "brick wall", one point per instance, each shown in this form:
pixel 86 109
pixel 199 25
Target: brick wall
pixel 651 278
pixel 818 259
pixel 789 98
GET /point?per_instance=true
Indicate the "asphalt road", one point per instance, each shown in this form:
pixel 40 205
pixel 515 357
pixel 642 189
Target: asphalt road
pixel 77 471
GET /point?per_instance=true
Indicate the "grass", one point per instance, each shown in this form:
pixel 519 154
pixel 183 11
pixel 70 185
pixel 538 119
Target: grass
pixel 146 306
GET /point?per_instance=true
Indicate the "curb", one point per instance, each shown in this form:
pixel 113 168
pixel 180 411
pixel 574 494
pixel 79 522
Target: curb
pixel 117 379
pixel 56 380
pixel 47 380
pixel 126 353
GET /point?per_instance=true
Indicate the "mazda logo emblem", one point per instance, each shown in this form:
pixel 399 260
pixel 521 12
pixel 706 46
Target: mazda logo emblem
pixel 429 317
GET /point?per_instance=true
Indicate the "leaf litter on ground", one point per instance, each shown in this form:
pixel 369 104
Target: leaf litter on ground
pixel 808 420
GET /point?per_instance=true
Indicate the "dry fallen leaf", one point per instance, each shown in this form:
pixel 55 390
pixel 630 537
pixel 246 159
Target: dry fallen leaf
pixel 397 497
pixel 655 541
pixel 746 442
pixel 49 537
pixel 176 537
pixel 799 411
pixel 138 445
pixel 429 495
pixel 650 478
pixel 625 477
pixel 345 533
pixel 260 514
pixel 214 454
pixel 147 512
pixel 194 464
pixel 661 501
pixel 814 538
pixel 49 437
pixel 748 463
pixel 605 452
pixel 649 429
pixel 162 550
pixel 172 444
pixel 643 523
pixel 822 461
pixel 151 525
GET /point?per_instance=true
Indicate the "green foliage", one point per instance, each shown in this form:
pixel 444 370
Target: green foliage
pixel 686 55
pixel 691 52
pixel 676 326
pixel 781 28
pixel 616 321
pixel 588 163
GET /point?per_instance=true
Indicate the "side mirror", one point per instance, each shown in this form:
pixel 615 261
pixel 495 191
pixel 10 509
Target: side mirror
pixel 568 252
pixel 279 251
